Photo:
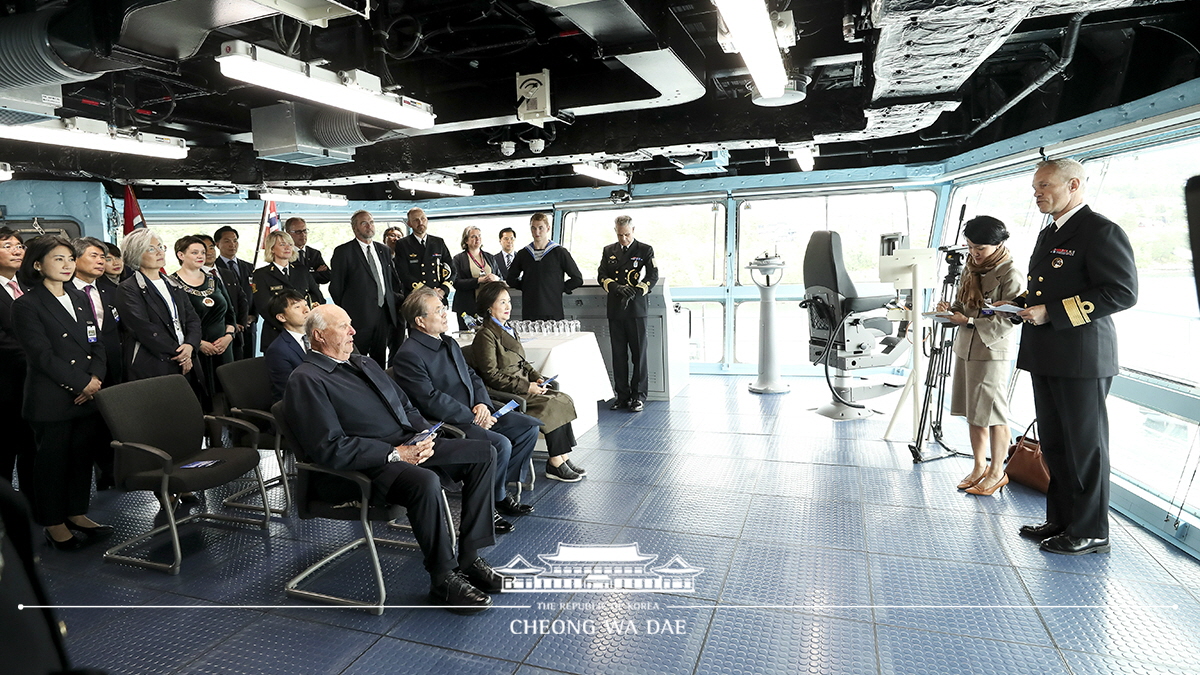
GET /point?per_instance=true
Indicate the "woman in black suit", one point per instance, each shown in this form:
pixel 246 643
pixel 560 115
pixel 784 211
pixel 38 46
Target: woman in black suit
pixel 472 267
pixel 162 329
pixel 65 366
pixel 280 273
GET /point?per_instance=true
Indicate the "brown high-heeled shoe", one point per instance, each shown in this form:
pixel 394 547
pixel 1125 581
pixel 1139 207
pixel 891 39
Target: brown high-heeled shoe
pixel 968 482
pixel 990 490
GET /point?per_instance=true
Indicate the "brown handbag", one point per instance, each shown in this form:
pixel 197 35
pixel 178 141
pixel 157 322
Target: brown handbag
pixel 1025 464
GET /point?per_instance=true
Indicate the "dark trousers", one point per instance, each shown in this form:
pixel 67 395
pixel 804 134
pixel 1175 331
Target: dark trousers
pixel 245 342
pixel 628 337
pixel 374 342
pixel 62 470
pixel 18 449
pixel 560 441
pixel 419 490
pixel 1073 427
pixel 513 437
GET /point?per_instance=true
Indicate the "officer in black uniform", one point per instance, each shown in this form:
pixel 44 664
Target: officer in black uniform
pixel 423 259
pixel 627 273
pixel 1082 271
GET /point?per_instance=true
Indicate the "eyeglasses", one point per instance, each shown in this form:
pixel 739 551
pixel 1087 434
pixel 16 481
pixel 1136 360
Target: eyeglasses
pixel 13 247
pixel 440 311
pixel 299 232
pixel 160 247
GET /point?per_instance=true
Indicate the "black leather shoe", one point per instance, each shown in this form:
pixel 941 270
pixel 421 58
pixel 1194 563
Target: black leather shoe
pixel 501 525
pixel 1068 545
pixel 618 404
pixel 73 544
pixel 637 406
pixel 92 533
pixel 1041 531
pixel 482 576
pixel 509 506
pixel 577 469
pixel 457 595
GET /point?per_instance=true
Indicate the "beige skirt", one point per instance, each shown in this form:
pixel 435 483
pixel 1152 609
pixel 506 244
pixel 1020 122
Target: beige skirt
pixel 980 391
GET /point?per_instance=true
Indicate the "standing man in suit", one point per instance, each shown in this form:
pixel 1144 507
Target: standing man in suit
pixel 1081 273
pixel 362 284
pixel 245 343
pixel 229 282
pixel 627 273
pixel 18 448
pixel 307 257
pixel 538 271
pixel 423 259
pixel 102 297
pixel 431 369
pixel 347 414
pixel 290 308
pixel 508 249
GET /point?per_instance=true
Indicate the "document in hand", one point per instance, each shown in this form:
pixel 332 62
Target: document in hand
pixel 1007 309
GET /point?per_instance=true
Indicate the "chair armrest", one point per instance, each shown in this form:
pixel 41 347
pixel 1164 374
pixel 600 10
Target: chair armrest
pixel 554 386
pixel 452 431
pixel 359 478
pixel 252 414
pixel 499 398
pixel 167 460
pixel 248 433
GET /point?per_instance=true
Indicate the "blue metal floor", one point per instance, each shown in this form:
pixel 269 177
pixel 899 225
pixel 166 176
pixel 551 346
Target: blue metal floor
pixel 824 550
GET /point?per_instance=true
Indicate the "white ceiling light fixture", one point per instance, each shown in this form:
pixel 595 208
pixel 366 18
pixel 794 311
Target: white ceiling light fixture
pixel 81 132
pixel 754 35
pixel 301 197
pixel 5 171
pixel 805 155
pixel 602 172
pixel 447 187
pixel 354 90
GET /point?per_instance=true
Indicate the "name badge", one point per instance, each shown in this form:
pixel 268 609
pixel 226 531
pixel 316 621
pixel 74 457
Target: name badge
pixel 92 335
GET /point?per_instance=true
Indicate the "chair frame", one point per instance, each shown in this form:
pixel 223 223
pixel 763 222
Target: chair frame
pixel 215 424
pixel 257 415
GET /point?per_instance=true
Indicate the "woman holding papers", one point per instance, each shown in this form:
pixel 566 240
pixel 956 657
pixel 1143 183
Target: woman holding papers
pixel 498 357
pixel 983 349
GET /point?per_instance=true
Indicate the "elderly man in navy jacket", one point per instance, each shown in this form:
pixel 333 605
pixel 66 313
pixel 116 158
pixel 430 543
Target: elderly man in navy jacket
pixel 430 368
pixel 347 414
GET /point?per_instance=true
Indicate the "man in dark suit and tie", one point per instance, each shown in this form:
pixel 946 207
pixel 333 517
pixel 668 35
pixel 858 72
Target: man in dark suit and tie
pixel 347 414
pixel 245 342
pixel 361 282
pixel 423 259
pixel 431 369
pixel 18 447
pixel 1081 273
pixel 627 273
pixel 229 282
pixel 290 308
pixel 508 249
pixel 308 257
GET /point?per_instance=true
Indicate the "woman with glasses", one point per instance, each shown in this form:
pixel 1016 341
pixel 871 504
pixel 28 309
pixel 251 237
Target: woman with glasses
pixel 162 331
pixel 279 273
pixel 55 327
pixel 215 310
pixel 472 267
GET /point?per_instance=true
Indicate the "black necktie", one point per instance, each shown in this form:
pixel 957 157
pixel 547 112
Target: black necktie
pixel 624 250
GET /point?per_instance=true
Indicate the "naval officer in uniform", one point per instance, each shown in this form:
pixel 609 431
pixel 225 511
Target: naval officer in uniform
pixel 627 273
pixel 1081 273
pixel 423 259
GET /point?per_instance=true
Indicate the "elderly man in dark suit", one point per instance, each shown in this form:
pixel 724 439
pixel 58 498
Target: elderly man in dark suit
pixel 245 342
pixel 307 256
pixel 19 446
pixel 347 414
pixel 1081 273
pixel 431 369
pixel 362 283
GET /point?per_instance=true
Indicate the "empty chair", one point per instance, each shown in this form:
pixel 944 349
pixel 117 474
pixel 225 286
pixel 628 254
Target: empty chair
pixel 247 387
pixel 158 431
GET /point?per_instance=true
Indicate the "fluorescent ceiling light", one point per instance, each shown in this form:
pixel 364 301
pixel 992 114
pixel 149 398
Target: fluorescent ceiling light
pixel 754 36
pixel 443 187
pixel 604 172
pixel 302 197
pixel 5 171
pixel 81 132
pixel 354 90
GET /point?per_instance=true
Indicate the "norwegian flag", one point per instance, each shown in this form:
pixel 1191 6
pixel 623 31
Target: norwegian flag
pixel 133 212
pixel 269 223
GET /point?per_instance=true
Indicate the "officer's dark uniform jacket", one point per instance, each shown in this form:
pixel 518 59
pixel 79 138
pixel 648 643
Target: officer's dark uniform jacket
pixel 429 265
pixel 635 268
pixel 1083 273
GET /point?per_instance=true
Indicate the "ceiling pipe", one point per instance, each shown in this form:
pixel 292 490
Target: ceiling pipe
pixel 1069 41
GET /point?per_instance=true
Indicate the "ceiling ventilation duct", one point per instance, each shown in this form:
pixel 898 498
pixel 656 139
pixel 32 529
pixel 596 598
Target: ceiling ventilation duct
pixel 707 164
pixel 27 58
pixel 295 133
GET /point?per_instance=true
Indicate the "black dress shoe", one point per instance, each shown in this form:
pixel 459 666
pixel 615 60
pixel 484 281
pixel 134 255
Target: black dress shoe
pixel 637 406
pixel 91 533
pixel 73 544
pixel 1068 545
pixel 1041 531
pixel 509 506
pixel 482 576
pixel 501 525
pixel 457 595
pixel 618 404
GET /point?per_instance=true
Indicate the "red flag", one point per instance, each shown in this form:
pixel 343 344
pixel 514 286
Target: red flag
pixel 133 212
pixel 269 223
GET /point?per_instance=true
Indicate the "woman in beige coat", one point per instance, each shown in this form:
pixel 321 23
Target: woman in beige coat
pixel 983 349
pixel 498 357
